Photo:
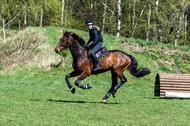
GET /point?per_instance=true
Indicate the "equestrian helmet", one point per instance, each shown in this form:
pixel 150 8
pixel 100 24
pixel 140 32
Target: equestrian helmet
pixel 90 22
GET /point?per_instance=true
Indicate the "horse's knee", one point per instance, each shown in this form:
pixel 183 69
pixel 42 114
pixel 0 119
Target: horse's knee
pixel 77 83
pixel 67 77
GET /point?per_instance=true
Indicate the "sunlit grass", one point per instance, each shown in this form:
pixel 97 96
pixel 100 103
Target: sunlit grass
pixel 37 96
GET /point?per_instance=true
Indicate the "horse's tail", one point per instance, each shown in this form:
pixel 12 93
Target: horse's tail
pixel 133 68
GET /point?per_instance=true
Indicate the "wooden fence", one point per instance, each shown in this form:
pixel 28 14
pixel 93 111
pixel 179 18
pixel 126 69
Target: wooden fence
pixel 172 85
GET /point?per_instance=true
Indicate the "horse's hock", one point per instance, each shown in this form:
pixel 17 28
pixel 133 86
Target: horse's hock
pixel 172 85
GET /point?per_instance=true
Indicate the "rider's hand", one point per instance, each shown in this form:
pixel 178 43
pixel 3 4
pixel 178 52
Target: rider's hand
pixel 87 46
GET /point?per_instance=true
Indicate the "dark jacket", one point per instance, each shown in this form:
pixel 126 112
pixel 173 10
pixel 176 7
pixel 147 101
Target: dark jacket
pixel 95 36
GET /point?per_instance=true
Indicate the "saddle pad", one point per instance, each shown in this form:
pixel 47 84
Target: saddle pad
pixel 102 52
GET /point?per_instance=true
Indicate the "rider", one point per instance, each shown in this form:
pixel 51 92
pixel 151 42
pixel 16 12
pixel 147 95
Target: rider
pixel 97 39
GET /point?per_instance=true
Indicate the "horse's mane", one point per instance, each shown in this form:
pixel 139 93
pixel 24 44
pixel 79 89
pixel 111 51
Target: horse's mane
pixel 78 39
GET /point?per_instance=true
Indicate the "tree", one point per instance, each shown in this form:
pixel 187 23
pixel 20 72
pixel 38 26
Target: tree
pixel 163 20
pixel 183 6
pixel 63 10
pixel 142 11
pixel 104 16
pixel 4 15
pixel 148 23
pixel 118 18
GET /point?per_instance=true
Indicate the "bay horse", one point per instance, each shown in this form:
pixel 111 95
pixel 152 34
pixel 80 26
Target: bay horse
pixel 116 61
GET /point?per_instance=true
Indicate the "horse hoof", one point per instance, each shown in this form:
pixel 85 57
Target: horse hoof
pixel 88 86
pixel 104 101
pixel 73 90
pixel 114 95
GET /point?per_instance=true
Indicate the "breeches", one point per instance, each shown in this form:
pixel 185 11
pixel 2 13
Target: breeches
pixel 96 48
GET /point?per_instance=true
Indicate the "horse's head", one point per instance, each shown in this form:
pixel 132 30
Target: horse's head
pixel 64 42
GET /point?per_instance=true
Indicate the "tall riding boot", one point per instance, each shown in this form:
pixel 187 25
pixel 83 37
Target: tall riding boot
pixel 96 65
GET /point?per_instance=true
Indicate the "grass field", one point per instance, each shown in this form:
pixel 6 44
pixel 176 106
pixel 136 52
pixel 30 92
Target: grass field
pixel 32 94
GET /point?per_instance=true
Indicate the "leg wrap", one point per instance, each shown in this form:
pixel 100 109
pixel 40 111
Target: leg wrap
pixel 68 82
pixel 117 87
pixel 79 85
pixel 108 94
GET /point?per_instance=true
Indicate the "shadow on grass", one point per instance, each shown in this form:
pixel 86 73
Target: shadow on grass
pixel 67 101
pixel 78 102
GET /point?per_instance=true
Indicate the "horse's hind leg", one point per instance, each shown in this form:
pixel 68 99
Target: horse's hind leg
pixel 80 78
pixel 123 80
pixel 114 83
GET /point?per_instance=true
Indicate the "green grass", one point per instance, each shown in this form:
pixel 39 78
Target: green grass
pixel 49 102
pixel 36 96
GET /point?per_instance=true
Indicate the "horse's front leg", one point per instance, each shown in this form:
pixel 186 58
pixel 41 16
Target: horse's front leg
pixel 72 74
pixel 82 76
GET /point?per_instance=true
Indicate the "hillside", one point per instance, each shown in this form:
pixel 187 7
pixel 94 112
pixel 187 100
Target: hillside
pixel 36 46
pixel 34 92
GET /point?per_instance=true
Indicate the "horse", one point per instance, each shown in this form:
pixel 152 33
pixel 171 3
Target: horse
pixel 115 61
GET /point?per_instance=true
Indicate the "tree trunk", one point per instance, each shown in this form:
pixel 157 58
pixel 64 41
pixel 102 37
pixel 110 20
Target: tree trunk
pixel 155 18
pixel 129 18
pixel 91 6
pixel 149 14
pixel 142 11
pixel 110 21
pixel 118 18
pixel 185 39
pixel 159 30
pixel 42 14
pixel 65 14
pixel 104 16
pixel 41 18
pixel 133 22
pixel 4 35
pixel 36 17
pixel 95 7
pixel 62 14
pixel 25 15
pixel 178 29
pixel 110 26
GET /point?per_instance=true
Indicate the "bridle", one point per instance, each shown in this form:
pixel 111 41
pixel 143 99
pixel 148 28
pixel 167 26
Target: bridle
pixel 65 43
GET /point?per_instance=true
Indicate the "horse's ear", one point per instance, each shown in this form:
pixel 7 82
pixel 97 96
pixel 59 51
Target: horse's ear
pixel 65 33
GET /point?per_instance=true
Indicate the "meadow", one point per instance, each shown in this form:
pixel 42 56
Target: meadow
pixel 34 92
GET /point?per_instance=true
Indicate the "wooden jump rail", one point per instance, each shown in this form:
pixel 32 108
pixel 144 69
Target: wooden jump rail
pixel 172 85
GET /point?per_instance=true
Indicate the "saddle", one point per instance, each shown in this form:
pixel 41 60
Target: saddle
pixel 100 54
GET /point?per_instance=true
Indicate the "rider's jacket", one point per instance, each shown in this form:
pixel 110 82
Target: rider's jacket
pixel 95 36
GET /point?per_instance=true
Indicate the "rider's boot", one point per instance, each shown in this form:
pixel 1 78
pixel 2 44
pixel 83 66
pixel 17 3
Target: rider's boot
pixel 96 65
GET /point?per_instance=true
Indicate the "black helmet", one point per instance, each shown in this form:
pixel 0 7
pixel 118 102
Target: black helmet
pixel 90 22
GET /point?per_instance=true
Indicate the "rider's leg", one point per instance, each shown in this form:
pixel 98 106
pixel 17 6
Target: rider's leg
pixel 93 52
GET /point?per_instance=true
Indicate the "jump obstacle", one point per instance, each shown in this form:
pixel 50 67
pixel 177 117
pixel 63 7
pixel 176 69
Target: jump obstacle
pixel 172 85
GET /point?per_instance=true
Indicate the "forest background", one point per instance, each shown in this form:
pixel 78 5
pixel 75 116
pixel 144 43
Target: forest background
pixel 167 21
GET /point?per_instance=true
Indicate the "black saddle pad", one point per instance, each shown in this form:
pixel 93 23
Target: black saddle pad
pixel 102 52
